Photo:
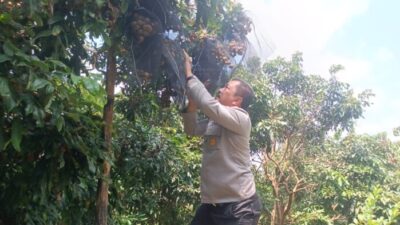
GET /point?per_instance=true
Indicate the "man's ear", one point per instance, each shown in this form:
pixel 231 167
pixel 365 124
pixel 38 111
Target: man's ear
pixel 238 101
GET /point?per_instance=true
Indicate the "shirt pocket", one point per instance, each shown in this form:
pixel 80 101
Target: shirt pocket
pixel 212 136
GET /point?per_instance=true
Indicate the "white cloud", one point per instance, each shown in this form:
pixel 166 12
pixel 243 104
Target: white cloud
pixel 355 69
pixel 304 26
pixel 308 26
pixel 385 54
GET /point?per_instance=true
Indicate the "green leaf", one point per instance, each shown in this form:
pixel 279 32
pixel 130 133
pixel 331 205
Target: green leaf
pixel 124 6
pixel 5 17
pixel 39 83
pixel 58 63
pixel 50 88
pixel 54 19
pixel 9 48
pixel 16 134
pixel 38 115
pixel 49 102
pixel 74 116
pixel 60 123
pixel 4 87
pixel 4 58
pixel 41 34
pixel 92 167
pixel 24 56
pixel 10 103
pixel 90 84
pixel 75 79
pixel 37 62
pixel 56 30
pixel 99 3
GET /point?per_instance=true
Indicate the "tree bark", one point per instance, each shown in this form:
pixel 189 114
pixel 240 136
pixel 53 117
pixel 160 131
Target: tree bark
pixel 102 194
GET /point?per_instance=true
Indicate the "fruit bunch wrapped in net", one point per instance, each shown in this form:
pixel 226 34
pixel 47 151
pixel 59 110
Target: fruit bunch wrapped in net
pixel 165 12
pixel 174 69
pixel 147 58
pixel 142 24
pixel 210 61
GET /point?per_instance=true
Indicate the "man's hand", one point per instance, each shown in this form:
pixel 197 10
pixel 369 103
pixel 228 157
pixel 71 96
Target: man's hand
pixel 192 107
pixel 188 64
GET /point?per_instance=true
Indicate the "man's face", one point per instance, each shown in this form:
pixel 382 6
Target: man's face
pixel 226 95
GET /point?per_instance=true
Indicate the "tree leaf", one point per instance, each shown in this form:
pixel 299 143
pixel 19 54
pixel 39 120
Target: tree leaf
pixel 39 83
pixel 92 167
pixel 16 134
pixel 41 34
pixel 56 30
pixel 90 84
pixel 60 123
pixel 37 62
pixel 5 17
pixel 9 48
pixel 99 3
pixel 54 19
pixel 4 87
pixel 23 56
pixel 124 6
pixel 75 79
pixel 4 58
pixel 10 103
pixel 58 63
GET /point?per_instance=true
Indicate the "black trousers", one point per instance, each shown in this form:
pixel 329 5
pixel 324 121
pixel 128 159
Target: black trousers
pixel 245 212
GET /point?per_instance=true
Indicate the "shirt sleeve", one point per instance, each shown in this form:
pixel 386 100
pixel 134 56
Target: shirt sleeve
pixel 193 127
pixel 234 119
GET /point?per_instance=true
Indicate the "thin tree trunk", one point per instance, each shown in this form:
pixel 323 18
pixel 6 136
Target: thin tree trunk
pixel 277 214
pixel 102 194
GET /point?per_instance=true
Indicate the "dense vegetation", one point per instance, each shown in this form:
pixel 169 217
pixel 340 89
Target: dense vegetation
pixel 75 151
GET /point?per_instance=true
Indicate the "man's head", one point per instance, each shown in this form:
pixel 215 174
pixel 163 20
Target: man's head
pixel 236 93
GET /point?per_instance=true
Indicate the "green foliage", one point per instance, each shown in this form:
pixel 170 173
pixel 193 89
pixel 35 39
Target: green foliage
pixel 50 165
pixel 156 175
pixel 292 114
pixel 381 206
pixel 50 122
pixel 348 172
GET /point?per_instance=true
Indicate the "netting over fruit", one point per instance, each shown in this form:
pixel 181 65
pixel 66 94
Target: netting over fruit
pixel 157 56
pixel 209 59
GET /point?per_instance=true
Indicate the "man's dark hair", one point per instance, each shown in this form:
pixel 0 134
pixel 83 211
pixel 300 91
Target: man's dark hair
pixel 245 91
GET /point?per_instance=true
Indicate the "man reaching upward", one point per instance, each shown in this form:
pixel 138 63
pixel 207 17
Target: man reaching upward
pixel 228 193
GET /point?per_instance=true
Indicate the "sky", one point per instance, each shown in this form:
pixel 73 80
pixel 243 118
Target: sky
pixel 361 35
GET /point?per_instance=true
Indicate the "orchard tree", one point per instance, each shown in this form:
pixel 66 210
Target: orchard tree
pixel 357 180
pixel 49 115
pixel 292 113
pixel 48 51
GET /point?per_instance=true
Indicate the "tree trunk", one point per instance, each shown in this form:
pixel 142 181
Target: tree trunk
pixel 277 217
pixel 102 194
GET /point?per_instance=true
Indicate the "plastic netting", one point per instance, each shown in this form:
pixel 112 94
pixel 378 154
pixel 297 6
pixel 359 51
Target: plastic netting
pixel 211 61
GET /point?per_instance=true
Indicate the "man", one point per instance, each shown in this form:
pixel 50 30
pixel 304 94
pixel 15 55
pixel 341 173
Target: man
pixel 228 193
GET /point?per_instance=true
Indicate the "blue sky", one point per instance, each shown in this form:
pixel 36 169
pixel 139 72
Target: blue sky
pixel 361 35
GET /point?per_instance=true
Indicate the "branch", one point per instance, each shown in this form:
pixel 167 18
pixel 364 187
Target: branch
pixel 287 143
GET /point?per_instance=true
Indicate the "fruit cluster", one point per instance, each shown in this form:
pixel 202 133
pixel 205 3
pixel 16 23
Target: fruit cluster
pixel 9 5
pixel 221 54
pixel 236 48
pixel 145 77
pixel 143 27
